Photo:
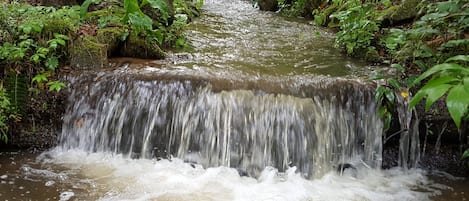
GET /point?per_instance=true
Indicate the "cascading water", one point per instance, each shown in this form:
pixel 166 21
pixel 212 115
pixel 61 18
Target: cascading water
pixel 245 129
pixel 409 143
pixel 243 117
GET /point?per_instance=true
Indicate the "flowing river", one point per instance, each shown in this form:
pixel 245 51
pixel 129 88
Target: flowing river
pixel 262 108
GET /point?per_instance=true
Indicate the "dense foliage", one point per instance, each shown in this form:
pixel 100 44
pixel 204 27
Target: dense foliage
pixel 425 42
pixel 36 41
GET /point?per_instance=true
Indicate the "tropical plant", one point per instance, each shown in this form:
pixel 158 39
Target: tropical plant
pixel 451 78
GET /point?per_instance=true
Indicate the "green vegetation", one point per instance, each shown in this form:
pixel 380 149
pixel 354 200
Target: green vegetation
pixel 37 41
pixel 426 43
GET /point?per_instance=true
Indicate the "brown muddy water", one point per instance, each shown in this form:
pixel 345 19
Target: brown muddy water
pixel 25 177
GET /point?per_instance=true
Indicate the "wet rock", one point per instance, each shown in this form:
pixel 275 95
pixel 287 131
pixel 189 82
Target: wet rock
pixel 138 47
pixel 406 11
pixel 310 6
pixel 87 53
pixel 268 5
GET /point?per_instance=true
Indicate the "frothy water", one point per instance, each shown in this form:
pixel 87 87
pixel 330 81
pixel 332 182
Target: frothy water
pixel 122 178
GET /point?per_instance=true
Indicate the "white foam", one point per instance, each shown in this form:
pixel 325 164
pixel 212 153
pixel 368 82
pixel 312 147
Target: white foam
pixel 142 179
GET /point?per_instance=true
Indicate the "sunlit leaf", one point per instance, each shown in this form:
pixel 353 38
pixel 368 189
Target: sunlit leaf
pixel 56 86
pixel 457 103
pixel 42 77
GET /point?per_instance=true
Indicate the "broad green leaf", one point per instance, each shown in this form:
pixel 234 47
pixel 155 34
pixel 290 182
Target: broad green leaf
pixel 464 58
pixel 379 93
pixel 466 84
pixel 455 43
pixel 457 103
pixel 60 41
pixel 433 16
pixel 61 36
pixel 434 93
pixel 398 67
pixel 42 77
pixel 27 29
pixel 437 68
pixel 377 77
pixel 160 5
pixel 141 21
pixel 439 81
pixel 420 64
pixel 130 6
pixel 389 95
pixel 393 82
pixel 465 154
pixel 35 58
pixel 37 28
pixel 56 85
pixel 85 5
pixel 53 45
pixel 417 98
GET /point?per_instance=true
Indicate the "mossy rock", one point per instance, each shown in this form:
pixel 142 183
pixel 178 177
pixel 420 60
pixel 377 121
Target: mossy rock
pixel 60 26
pixel 138 47
pixel 87 53
pixel 107 12
pixel 407 10
pixel 111 37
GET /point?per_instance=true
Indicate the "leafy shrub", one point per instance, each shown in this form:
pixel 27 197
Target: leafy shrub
pixel 451 78
pixel 357 29
pixel 4 116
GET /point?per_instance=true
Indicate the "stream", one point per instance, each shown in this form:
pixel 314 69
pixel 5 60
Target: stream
pixel 261 108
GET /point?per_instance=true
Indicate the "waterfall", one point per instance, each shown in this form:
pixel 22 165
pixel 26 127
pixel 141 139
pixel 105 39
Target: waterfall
pixel 323 124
